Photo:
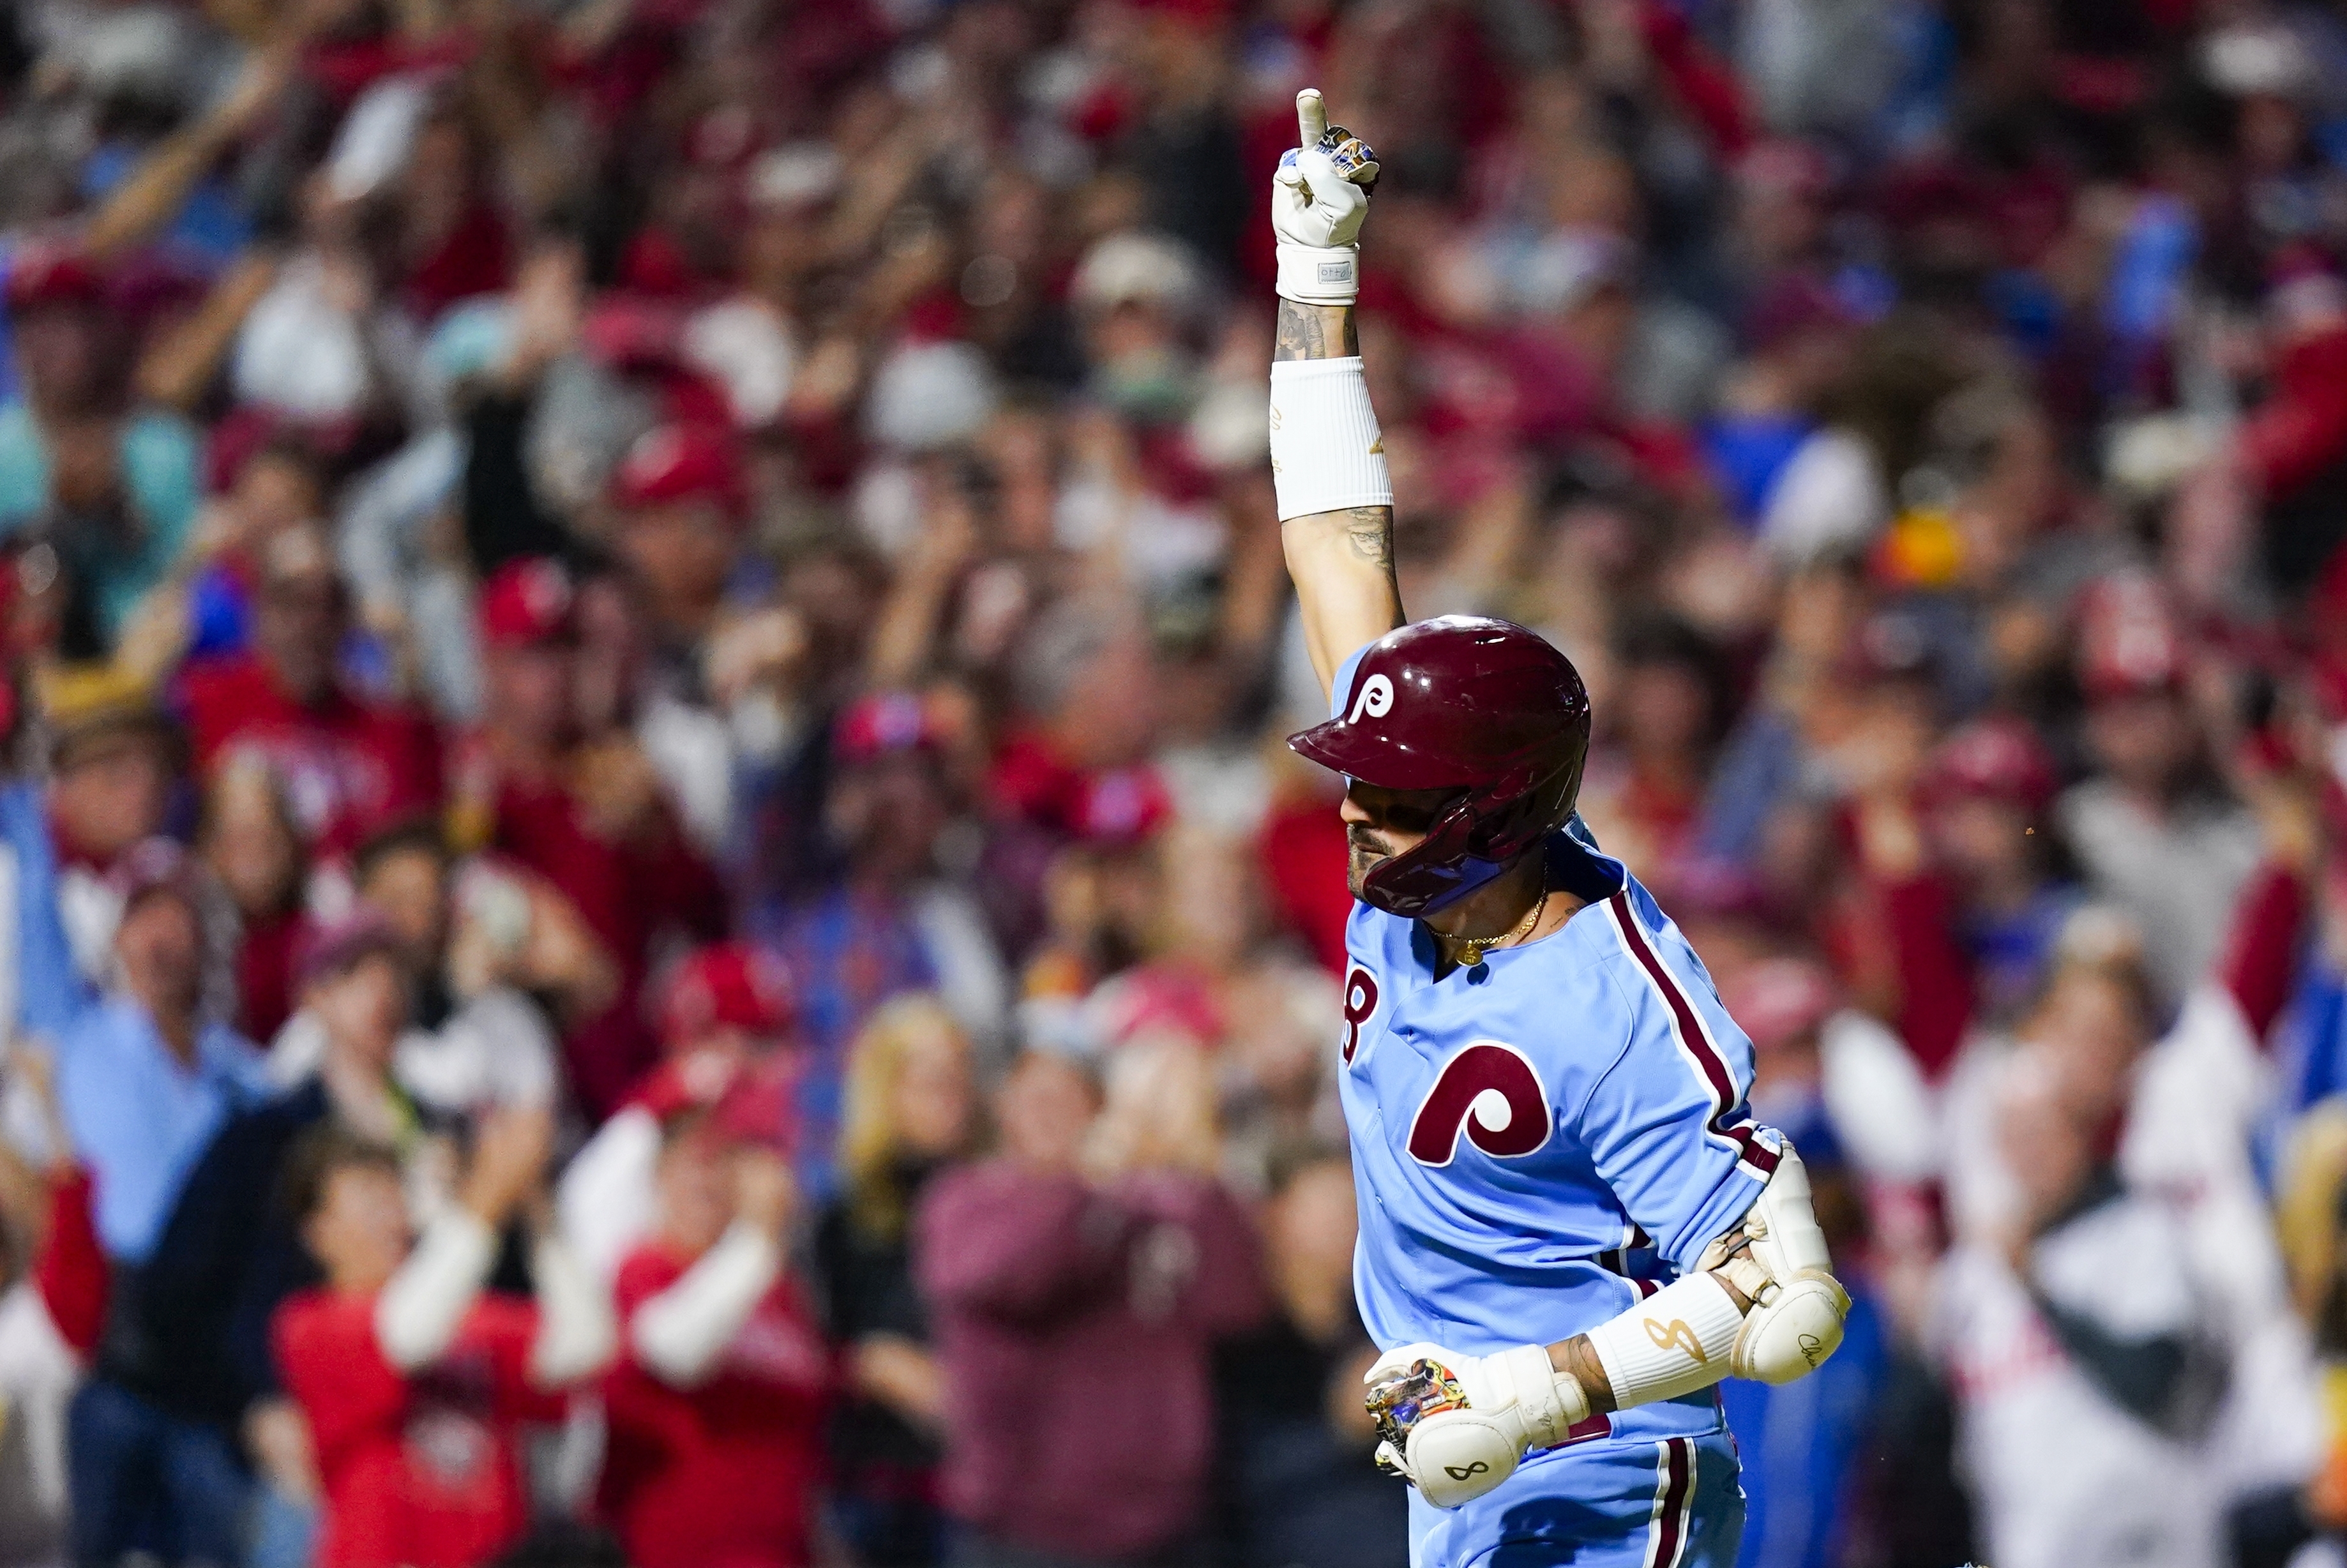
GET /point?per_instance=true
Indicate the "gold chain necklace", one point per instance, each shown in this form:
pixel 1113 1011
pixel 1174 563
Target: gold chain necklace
pixel 1471 951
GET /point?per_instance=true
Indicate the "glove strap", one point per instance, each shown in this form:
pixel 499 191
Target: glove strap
pixel 1317 275
pixel 1552 1403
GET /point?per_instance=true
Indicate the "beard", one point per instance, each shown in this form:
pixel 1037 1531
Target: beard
pixel 1364 852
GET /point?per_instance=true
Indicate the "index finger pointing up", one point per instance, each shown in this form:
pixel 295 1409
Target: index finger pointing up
pixel 1311 117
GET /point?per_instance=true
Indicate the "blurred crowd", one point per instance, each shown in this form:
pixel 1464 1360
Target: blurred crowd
pixel 650 910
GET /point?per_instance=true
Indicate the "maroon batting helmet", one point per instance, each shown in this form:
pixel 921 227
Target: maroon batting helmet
pixel 1466 703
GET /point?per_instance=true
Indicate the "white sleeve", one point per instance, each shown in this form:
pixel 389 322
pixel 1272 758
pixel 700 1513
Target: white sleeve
pixel 602 1200
pixel 295 1052
pixel 1874 1091
pixel 495 1050
pixel 677 1335
pixel 419 1311
pixel 576 1334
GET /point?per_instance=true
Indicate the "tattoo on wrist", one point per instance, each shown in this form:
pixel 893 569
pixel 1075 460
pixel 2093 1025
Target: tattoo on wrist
pixel 1578 1357
pixel 1304 331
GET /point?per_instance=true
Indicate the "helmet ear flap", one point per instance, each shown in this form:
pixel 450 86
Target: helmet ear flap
pixel 1475 838
pixel 1441 867
pixel 1525 808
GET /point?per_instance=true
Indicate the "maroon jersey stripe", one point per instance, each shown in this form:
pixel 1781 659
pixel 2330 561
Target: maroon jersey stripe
pixel 1752 1152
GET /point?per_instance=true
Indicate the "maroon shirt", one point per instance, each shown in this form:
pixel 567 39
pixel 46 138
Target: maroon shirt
pixel 264 974
pixel 1075 1329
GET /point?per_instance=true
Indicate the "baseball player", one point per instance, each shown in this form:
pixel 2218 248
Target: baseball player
pixel 1571 1229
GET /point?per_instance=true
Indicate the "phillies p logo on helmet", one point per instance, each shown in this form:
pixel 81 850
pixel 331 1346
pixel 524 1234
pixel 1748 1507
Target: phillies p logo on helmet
pixel 1375 699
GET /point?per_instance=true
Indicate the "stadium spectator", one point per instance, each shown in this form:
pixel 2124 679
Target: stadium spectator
pixel 146 1080
pixel 413 1378
pixel 249 839
pixel 1058 1301
pixel 364 1041
pixel 591 818
pixel 724 1008
pixel 113 754
pixel 716 1408
pixel 888 925
pixel 910 1111
pixel 1294 1483
pixel 2038 1344
pixel 352 764
pixel 112 490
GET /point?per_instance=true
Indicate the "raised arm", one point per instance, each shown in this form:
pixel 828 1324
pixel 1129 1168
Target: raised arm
pixel 1327 456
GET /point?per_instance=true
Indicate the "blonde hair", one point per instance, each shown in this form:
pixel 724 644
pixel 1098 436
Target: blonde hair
pixel 867 1133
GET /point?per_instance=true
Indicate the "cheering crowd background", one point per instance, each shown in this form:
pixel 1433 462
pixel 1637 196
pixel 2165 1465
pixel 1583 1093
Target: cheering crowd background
pixel 654 629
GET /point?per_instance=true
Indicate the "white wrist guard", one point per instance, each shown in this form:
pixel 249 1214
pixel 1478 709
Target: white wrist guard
pixel 1327 453
pixel 1796 1321
pixel 1317 275
pixel 1691 1334
pixel 1675 1341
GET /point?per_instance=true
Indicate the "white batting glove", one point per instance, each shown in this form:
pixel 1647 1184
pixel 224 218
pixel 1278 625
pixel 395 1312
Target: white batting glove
pixel 1455 1426
pixel 1319 195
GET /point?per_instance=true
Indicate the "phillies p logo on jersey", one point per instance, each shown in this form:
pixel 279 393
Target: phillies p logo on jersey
pixel 1489 1093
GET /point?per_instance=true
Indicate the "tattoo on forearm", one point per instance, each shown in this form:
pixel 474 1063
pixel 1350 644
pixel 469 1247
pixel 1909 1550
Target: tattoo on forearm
pixel 1299 332
pixel 1303 331
pixel 1370 530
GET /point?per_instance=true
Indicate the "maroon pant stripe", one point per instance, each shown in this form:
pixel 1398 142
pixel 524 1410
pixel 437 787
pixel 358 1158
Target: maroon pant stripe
pixel 1670 1529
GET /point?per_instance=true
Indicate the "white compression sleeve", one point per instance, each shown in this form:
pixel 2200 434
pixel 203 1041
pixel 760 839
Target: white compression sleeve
pixel 576 1334
pixel 1327 453
pixel 1675 1341
pixel 678 1334
pixel 418 1312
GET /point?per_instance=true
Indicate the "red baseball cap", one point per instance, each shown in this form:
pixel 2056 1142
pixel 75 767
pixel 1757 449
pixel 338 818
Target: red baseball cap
pixel 1995 758
pixel 2129 642
pixel 47 274
pixel 746 1101
pixel 761 1106
pixel 728 984
pixel 1120 807
pixel 632 330
pixel 1777 1001
pixel 688 1081
pixel 681 463
pixel 526 602
pixel 885 722
pixel 1158 999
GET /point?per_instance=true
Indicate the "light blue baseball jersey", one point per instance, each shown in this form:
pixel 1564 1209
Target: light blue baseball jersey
pixel 1538 1143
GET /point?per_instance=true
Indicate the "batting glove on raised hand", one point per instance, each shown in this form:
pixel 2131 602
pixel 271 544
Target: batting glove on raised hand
pixel 1319 195
pixel 1455 1426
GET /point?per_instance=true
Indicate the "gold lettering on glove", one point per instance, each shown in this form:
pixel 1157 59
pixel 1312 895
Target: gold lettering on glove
pixel 1677 1334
